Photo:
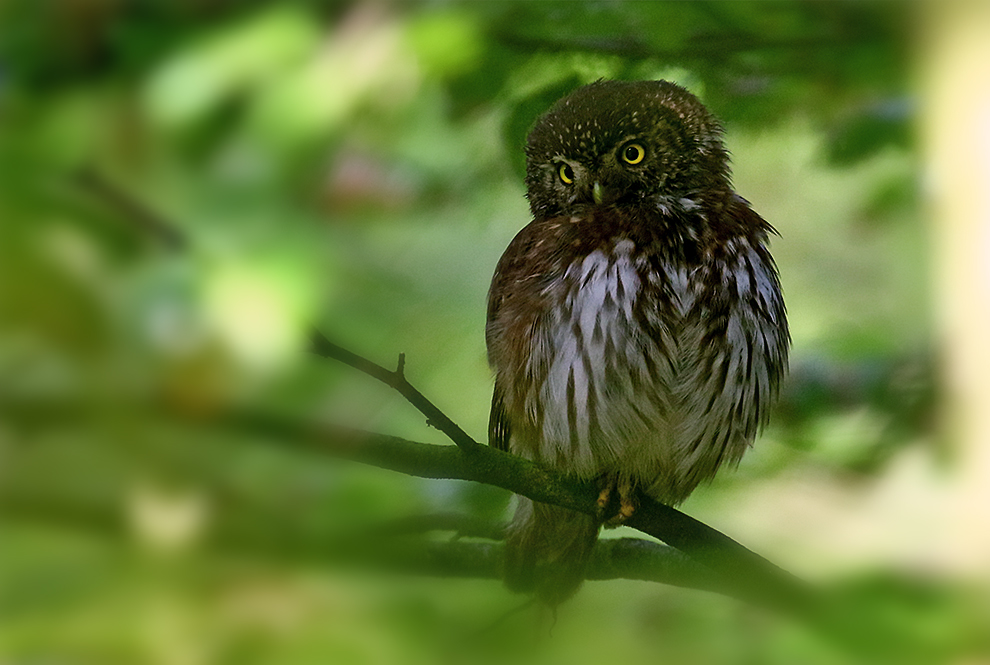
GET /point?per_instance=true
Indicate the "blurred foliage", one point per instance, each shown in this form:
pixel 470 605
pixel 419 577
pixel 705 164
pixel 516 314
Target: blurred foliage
pixel 358 165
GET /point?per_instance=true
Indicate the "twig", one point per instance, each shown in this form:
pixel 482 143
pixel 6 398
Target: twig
pixel 133 210
pixel 148 221
pixel 323 347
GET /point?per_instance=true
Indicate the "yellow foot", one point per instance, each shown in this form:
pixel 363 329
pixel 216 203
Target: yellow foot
pixel 627 503
pixel 603 498
pixel 627 506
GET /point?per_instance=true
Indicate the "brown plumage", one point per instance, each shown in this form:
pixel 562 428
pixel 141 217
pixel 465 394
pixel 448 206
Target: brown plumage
pixel 636 327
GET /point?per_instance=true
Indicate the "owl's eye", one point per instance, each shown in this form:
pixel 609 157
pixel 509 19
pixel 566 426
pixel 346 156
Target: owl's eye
pixel 566 173
pixel 633 153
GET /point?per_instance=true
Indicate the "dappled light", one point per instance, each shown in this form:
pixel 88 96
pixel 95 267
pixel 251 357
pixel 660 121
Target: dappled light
pixel 190 476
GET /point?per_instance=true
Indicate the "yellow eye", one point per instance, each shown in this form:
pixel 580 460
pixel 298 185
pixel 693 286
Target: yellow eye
pixel 633 153
pixel 566 173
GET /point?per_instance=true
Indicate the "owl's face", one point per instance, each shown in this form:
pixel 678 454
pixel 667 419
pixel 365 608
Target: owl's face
pixel 648 144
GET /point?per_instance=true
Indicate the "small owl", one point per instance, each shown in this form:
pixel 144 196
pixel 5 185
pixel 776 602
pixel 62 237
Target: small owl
pixel 636 326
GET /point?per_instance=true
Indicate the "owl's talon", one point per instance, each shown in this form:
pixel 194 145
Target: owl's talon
pixel 604 497
pixel 627 507
pixel 627 503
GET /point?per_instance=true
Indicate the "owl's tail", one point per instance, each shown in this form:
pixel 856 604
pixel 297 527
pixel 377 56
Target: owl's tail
pixel 547 550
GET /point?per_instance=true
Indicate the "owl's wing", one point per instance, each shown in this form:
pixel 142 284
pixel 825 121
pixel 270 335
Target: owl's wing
pixel 515 297
pixel 498 422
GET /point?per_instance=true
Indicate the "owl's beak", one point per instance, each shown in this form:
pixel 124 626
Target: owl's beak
pixel 598 193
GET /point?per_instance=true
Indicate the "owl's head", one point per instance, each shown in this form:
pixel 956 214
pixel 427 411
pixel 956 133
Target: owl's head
pixel 647 144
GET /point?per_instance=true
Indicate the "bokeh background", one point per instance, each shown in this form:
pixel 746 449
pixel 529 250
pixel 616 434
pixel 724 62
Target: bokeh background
pixel 187 185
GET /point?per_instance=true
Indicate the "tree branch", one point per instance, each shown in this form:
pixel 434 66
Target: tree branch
pixel 374 548
pixel 323 347
pixel 738 571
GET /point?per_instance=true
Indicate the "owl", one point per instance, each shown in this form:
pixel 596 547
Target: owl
pixel 636 327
